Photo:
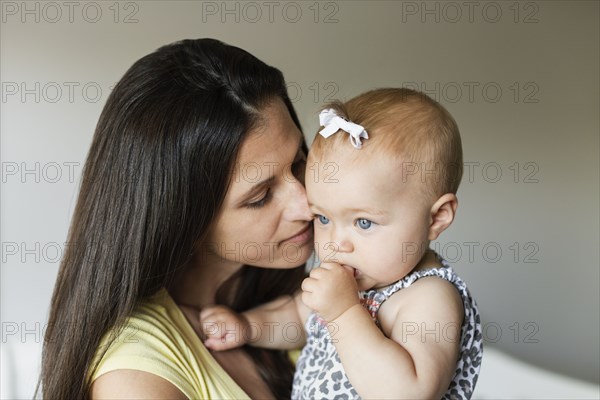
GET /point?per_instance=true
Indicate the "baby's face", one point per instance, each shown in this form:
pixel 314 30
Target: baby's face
pixel 366 215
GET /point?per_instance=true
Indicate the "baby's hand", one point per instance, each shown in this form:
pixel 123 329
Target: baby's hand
pixel 330 290
pixel 223 328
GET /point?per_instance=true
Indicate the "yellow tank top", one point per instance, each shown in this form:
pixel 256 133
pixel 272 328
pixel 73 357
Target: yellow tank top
pixel 159 340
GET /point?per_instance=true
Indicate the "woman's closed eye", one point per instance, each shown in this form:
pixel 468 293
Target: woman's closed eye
pixel 262 201
pixel 298 168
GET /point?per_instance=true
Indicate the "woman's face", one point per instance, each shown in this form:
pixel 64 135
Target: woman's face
pixel 265 220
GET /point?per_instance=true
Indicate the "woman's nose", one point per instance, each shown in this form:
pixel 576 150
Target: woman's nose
pixel 296 204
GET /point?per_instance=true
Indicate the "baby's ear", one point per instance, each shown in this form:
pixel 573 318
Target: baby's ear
pixel 442 214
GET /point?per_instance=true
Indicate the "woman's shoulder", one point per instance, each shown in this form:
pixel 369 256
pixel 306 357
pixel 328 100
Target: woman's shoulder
pixel 147 342
pixel 157 340
pixel 155 322
pixel 127 383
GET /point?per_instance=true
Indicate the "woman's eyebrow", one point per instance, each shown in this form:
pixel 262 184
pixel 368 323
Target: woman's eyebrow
pixel 256 188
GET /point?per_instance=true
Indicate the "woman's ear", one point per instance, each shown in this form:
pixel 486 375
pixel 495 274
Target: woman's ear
pixel 442 215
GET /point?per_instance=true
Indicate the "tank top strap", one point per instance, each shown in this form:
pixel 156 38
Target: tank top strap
pixel 374 298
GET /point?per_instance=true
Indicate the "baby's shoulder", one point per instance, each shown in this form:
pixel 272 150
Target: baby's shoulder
pixel 429 299
pixel 428 289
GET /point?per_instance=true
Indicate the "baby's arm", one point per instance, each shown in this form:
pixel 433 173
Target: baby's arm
pixel 415 358
pixel 278 324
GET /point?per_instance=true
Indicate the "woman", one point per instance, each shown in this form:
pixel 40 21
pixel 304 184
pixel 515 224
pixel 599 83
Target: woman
pixel 192 194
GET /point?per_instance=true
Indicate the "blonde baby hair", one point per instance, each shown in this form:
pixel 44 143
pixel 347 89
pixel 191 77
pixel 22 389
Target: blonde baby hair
pixel 408 126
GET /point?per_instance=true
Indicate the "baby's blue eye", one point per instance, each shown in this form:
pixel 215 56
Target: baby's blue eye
pixel 363 223
pixel 322 219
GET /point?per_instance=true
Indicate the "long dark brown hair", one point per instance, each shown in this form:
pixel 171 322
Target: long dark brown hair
pixel 155 178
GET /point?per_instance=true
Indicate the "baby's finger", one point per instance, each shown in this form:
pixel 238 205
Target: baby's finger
pixel 307 298
pixel 325 265
pixel 213 329
pixel 319 273
pixel 308 284
pixel 348 269
pixel 221 343
pixel 331 266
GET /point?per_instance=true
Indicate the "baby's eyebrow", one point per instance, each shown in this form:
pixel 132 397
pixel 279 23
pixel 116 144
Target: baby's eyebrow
pixel 312 206
pixel 368 210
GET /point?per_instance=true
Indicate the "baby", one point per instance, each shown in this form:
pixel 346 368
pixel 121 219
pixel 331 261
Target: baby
pixel 384 316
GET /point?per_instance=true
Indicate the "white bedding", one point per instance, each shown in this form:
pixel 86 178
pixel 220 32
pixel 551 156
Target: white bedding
pixel 502 377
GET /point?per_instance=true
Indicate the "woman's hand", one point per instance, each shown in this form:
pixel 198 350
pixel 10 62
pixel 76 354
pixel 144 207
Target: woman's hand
pixel 330 290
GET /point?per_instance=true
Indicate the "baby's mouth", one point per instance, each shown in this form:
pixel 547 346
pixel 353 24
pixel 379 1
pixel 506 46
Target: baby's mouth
pixel 355 272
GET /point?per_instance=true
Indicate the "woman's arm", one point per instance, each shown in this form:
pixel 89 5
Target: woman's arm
pixel 132 384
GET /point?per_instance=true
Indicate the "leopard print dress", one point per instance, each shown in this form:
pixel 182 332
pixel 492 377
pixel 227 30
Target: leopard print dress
pixel 319 372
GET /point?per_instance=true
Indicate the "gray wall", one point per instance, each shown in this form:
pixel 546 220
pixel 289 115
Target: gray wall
pixel 520 78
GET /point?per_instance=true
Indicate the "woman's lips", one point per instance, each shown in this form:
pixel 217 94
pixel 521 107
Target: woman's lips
pixel 301 237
